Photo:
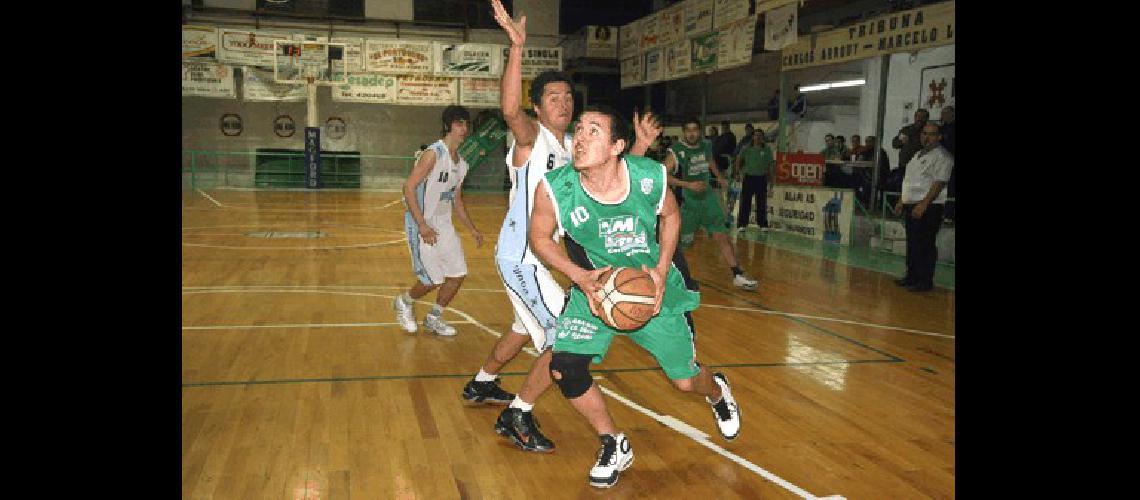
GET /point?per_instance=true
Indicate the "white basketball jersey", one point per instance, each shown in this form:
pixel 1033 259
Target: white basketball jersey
pixel 436 192
pixel 547 154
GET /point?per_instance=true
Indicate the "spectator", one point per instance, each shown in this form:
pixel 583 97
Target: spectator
pixel 921 205
pixel 713 134
pixel 948 128
pixel 829 151
pixel 908 139
pixel 856 147
pixel 798 106
pixel 753 164
pixel 841 147
pixel 774 106
pixel 885 175
pixel 724 147
pixel 745 139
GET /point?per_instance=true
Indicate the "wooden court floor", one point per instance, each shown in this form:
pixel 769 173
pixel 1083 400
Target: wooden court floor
pixel 298 384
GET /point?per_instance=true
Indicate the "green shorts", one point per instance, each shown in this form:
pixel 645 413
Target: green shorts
pixel 667 337
pixel 708 213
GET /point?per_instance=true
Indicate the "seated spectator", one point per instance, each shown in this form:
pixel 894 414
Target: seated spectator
pixel 841 147
pixel 745 140
pixel 856 148
pixel 829 152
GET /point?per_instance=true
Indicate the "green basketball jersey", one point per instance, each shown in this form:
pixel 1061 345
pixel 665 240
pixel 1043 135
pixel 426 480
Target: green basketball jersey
pixel 693 165
pixel 620 234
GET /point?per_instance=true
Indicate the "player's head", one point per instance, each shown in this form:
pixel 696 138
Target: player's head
pixel 691 130
pixel 921 115
pixel 455 121
pixel 599 137
pixel 552 95
pixel 829 140
pixel 930 135
pixel 758 137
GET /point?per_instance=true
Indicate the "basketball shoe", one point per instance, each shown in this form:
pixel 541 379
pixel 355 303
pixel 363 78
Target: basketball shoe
pixel 744 282
pixel 438 325
pixel 725 411
pixel 522 429
pixel 486 392
pixel 405 314
pixel 615 456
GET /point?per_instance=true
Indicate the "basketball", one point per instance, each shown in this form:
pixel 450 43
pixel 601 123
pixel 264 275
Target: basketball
pixel 626 299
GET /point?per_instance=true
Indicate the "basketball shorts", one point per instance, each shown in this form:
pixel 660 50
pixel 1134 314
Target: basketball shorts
pixel 669 338
pixel 536 299
pixel 433 263
pixel 707 213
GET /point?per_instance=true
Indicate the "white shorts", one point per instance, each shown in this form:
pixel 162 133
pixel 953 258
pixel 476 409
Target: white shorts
pixel 433 263
pixel 537 300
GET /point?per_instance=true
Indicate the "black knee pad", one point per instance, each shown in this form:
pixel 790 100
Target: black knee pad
pixel 575 372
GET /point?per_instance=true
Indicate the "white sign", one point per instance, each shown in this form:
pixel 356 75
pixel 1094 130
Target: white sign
pixel 727 12
pixel 366 87
pixel 698 17
pixel 602 42
pixel 398 56
pixel 780 27
pixel 937 89
pixel 207 79
pixel 420 90
pixel 535 60
pixel 678 59
pixel 648 33
pixel 630 40
pixel 670 25
pixel 199 41
pixel 257 84
pixel 632 72
pixel 654 66
pixel 735 47
pixel 481 60
pixel 248 48
pixel 479 92
pixel 818 213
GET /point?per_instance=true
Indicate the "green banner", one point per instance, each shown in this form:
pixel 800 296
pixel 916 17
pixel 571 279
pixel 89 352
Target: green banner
pixel 705 48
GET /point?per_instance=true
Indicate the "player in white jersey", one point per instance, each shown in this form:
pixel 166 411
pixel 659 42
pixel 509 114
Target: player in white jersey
pixel 540 146
pixel 433 190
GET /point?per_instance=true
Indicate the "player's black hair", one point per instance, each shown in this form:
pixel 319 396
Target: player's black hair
pixel 452 114
pixel 539 84
pixel 691 119
pixel 619 129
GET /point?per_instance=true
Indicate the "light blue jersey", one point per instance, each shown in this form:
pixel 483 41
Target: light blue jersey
pixel 546 155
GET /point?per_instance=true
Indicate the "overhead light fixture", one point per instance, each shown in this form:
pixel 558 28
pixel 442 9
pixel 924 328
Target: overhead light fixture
pixel 833 85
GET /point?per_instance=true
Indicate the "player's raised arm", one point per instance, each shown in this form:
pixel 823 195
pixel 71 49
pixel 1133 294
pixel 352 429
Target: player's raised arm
pixel 510 87
pixel 647 128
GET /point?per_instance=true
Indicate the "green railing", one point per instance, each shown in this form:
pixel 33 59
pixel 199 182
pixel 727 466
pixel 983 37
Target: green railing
pixel 286 169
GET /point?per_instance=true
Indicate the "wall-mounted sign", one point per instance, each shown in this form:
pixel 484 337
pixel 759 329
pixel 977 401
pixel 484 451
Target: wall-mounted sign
pixel 335 128
pixel 230 124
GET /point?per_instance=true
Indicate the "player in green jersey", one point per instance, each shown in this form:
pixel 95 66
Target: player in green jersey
pixel 690 162
pixel 608 209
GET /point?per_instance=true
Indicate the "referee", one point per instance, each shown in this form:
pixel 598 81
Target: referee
pixel 922 202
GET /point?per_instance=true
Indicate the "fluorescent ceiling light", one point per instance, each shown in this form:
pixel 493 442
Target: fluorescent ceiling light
pixel 833 85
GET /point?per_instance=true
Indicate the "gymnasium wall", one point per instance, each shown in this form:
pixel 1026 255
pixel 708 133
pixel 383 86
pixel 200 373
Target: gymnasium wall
pixel 371 128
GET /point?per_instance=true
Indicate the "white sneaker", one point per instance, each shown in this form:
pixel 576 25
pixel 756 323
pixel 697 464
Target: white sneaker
pixel 726 413
pixel 615 456
pixel 438 325
pixel 744 282
pixel 405 314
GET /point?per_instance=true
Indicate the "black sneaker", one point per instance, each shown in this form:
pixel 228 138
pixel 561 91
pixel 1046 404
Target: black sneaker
pixel 615 456
pixel 486 392
pixel 903 282
pixel 521 427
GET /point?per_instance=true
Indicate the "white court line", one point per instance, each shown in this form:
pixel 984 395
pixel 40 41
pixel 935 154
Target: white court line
pixel 211 198
pixel 500 290
pixel 671 422
pixel 299 325
pixel 329 247
pixel 835 320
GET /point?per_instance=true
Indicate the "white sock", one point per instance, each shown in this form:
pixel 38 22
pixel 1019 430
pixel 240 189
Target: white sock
pixel 483 376
pixel 520 404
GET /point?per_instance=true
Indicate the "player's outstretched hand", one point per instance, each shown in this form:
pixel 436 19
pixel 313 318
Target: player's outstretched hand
pixel 646 126
pixel 658 284
pixel 515 30
pixel 587 281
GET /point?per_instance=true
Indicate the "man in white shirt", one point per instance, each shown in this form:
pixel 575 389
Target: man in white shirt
pixel 922 203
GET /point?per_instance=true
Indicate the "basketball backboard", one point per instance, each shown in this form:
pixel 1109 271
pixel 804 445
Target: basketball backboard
pixel 297 61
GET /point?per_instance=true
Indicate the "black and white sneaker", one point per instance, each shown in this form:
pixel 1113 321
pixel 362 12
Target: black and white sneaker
pixel 615 456
pixel 522 429
pixel 725 411
pixel 486 392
